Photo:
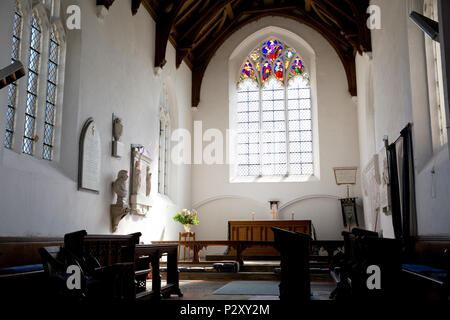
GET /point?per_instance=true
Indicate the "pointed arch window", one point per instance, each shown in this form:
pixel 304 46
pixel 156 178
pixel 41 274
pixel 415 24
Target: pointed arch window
pixel 274 119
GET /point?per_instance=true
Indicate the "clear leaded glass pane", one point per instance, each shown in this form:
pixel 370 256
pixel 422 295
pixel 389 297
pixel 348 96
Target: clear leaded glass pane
pixel 12 88
pixel 166 159
pixel 248 129
pixel 274 160
pixel 300 127
pixel 52 87
pixel 161 157
pixel 32 86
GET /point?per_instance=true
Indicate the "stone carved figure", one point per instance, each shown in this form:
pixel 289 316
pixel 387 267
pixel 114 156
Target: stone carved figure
pixel 120 209
pixel 137 175
pixel 148 181
pixel 117 129
pixel 120 187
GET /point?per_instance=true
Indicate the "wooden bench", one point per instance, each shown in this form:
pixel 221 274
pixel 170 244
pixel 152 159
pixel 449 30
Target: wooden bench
pixel 426 270
pixel 21 270
pixel 152 254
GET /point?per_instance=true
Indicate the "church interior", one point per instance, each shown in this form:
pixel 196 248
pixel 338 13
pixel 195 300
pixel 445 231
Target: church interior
pixel 225 150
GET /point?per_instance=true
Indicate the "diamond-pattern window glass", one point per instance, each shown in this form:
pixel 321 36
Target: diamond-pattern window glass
pixel 52 87
pixel 161 157
pixel 248 129
pixel 164 151
pixel 166 159
pixel 273 116
pixel 273 129
pixel 12 88
pixel 32 86
pixel 300 127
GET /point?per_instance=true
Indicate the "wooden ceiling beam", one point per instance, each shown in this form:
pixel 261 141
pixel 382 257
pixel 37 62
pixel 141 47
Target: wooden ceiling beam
pixel 186 14
pixel 210 13
pixel 340 11
pixel 206 53
pixel 229 10
pixel 135 4
pixel 308 5
pixel 164 24
pixel 197 28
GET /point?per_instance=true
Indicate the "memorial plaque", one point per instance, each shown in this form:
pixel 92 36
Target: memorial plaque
pixel 345 175
pixel 89 158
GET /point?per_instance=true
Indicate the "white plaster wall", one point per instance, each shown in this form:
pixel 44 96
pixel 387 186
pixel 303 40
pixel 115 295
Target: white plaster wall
pixel 337 131
pixel 366 125
pixel 400 96
pixel 109 70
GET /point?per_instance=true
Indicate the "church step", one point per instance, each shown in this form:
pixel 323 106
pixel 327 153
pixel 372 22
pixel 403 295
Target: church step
pixel 270 276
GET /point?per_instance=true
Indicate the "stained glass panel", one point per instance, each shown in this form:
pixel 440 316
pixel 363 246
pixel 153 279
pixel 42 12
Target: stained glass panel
pixel 247 70
pixel 278 70
pixel 266 71
pixel 272 49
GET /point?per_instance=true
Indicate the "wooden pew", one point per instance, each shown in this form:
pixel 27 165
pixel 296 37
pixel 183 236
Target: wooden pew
pixel 426 268
pixel 21 270
pixel 17 254
pixel 294 277
pixel 363 249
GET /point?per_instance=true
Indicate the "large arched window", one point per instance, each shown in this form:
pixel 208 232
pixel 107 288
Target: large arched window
pixel 274 121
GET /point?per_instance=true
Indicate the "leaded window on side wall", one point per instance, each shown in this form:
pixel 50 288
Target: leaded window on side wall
pixel 433 52
pixel 12 89
pixel 50 106
pixel 29 137
pixel 164 154
pixel 274 119
pixel 41 55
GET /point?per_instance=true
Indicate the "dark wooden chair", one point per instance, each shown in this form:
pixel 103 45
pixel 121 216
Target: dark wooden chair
pixel 294 276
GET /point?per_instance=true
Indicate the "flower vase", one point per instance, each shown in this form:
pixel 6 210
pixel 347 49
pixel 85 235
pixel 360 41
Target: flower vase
pixel 187 227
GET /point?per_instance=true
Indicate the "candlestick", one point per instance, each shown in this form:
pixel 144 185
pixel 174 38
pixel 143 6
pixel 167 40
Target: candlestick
pixel 253 216
pixel 292 215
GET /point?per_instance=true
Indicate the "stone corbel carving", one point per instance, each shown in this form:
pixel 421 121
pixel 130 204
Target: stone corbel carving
pixel 117 130
pixel 120 209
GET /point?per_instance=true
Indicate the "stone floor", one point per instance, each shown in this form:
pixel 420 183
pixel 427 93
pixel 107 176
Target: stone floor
pixel 203 290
